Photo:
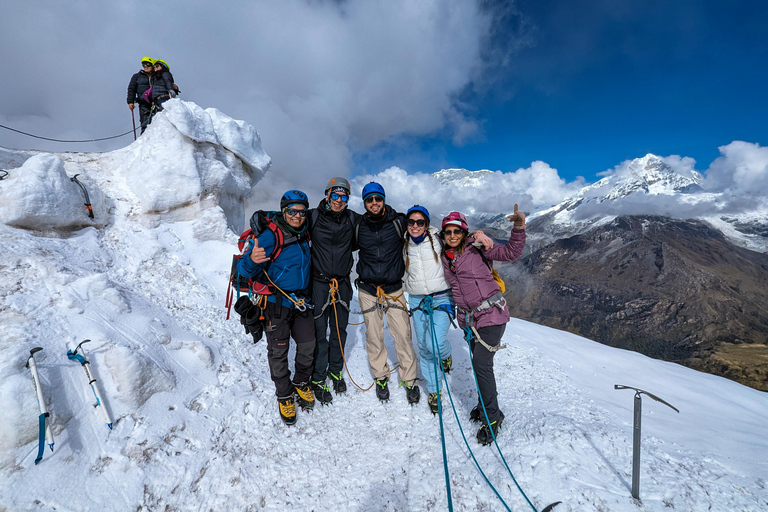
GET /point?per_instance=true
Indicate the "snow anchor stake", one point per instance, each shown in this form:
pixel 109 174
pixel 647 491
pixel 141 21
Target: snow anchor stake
pixel 85 193
pixel 636 434
pixel 80 358
pixel 45 434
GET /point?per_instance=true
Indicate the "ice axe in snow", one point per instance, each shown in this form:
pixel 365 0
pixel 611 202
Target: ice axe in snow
pixel 85 193
pixel 636 436
pixel 79 356
pixel 45 425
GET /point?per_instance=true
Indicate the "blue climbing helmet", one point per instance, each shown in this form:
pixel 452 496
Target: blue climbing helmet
pixel 373 188
pixel 294 197
pixel 418 208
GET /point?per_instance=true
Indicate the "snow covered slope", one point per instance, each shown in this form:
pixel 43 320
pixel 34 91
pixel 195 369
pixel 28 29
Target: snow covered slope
pixel 196 421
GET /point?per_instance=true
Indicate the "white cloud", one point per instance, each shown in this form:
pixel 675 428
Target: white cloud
pixel 742 169
pixel 535 187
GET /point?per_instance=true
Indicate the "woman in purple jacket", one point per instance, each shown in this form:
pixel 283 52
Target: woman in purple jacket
pixel 482 309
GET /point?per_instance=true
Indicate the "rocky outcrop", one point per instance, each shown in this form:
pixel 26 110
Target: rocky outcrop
pixel 670 289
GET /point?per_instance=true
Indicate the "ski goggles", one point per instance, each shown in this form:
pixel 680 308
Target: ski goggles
pixel 370 199
pixel 339 197
pixel 416 222
pixel 293 211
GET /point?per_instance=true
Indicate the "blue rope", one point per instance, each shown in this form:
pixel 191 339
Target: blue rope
pixel 468 338
pixel 455 414
pixel 427 307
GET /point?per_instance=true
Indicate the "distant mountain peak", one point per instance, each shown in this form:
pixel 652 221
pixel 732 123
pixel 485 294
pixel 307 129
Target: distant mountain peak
pixel 460 176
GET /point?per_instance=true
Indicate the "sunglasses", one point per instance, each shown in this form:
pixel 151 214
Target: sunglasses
pixel 146 64
pixel 370 199
pixel 294 211
pixel 339 197
pixel 416 222
pixel 451 232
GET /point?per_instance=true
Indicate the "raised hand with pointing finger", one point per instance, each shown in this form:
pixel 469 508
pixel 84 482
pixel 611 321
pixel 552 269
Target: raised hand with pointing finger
pixel 518 218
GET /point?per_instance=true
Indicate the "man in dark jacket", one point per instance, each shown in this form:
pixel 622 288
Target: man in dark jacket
pixel 139 84
pixel 332 226
pixel 380 270
pixel 287 312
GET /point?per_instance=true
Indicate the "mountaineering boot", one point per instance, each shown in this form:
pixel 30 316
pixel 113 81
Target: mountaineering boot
pixel 447 364
pixel 322 392
pixel 412 393
pixel 382 391
pixel 287 410
pixel 304 396
pixel 432 400
pixel 339 386
pixel 484 436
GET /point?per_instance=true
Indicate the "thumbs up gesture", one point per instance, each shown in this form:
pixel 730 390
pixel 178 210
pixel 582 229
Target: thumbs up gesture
pixel 257 253
pixel 518 218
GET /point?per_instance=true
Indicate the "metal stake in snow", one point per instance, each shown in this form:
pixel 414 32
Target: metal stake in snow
pixel 80 358
pixel 45 434
pixel 636 436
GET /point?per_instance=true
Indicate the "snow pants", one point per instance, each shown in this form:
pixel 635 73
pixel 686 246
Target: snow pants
pixel 423 332
pixel 399 324
pixel 482 361
pixel 282 323
pixel 145 115
pixel 328 353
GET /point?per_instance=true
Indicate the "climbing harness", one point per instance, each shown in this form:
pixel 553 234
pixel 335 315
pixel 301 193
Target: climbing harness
pixel 332 298
pixel 383 304
pixel 497 300
pixel 85 193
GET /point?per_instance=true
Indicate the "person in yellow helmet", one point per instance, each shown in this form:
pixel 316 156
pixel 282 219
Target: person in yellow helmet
pixel 139 91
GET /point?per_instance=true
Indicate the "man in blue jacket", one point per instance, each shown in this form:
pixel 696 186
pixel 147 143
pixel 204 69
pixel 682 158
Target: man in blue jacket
pixel 287 312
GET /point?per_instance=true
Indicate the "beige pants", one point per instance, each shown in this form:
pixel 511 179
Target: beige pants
pixel 399 324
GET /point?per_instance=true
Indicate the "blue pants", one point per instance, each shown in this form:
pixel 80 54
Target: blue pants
pixel 423 332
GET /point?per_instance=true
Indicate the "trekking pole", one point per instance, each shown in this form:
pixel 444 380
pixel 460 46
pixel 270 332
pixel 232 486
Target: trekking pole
pixel 80 358
pixel 636 435
pixel 45 434
pixel 133 118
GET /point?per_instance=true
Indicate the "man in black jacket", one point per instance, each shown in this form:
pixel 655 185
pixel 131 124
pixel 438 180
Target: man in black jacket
pixel 139 84
pixel 380 270
pixel 332 231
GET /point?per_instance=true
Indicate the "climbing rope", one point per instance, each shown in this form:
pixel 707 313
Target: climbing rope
pixel 455 414
pixel 332 298
pixel 300 304
pixel 60 140
pixel 429 310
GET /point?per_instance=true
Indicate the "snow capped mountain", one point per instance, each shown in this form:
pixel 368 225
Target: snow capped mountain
pixel 643 186
pixel 196 425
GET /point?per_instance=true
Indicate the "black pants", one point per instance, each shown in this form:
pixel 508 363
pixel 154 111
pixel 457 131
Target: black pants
pixel 282 323
pixel 328 356
pixel 482 359
pixel 145 115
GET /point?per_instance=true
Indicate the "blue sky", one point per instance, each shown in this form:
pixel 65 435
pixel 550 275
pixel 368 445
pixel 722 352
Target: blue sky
pixel 597 82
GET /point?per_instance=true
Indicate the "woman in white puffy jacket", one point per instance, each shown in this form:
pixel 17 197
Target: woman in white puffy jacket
pixel 424 278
